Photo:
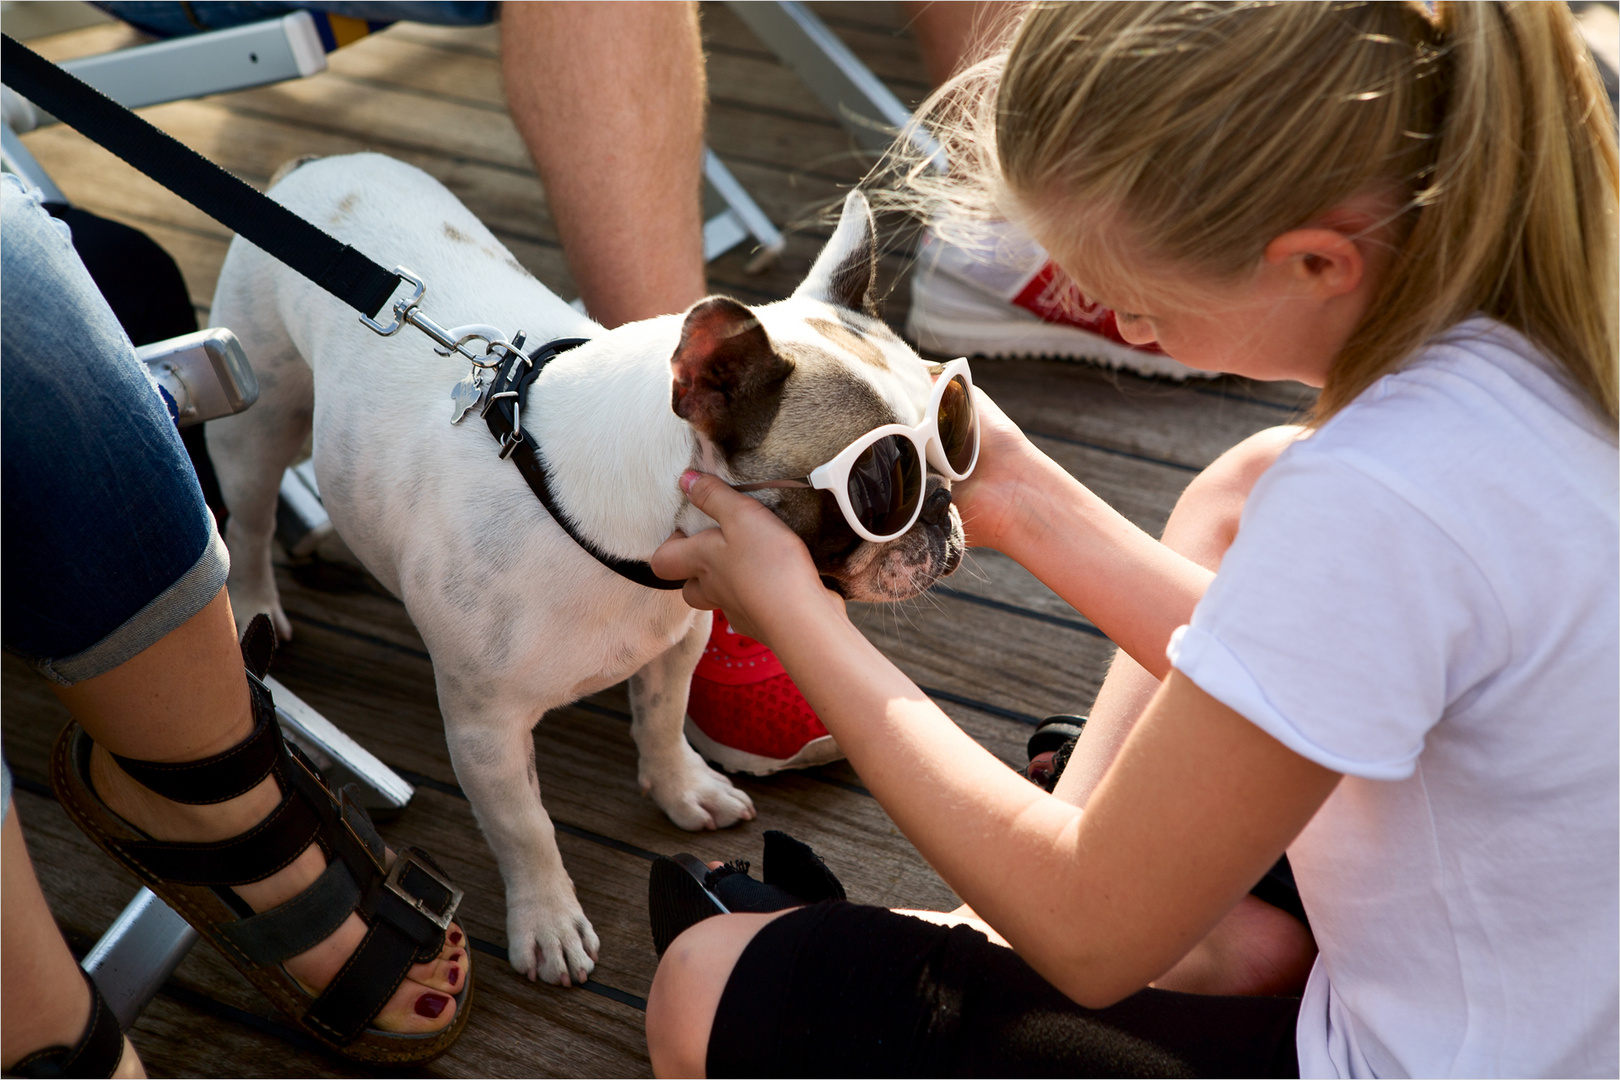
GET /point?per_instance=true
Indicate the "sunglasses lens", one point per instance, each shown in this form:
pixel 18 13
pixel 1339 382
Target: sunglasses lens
pixel 958 433
pixel 885 484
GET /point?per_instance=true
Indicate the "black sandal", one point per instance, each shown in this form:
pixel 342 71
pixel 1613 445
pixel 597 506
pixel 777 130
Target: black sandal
pixel 682 891
pixel 1050 747
pixel 97 1053
pixel 407 906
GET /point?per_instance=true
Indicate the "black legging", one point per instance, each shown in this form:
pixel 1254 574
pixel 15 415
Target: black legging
pixel 846 990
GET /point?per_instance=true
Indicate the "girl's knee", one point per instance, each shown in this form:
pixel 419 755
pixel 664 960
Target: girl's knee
pixel 687 987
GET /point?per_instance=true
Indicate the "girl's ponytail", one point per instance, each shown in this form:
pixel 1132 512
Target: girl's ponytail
pixel 1517 215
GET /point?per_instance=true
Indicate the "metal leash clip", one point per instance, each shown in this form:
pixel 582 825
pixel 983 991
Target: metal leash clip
pixel 472 390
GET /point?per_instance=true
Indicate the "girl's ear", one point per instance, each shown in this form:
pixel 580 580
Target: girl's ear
pixel 1325 261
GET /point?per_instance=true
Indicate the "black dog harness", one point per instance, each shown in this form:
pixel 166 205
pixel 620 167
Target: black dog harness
pixel 503 414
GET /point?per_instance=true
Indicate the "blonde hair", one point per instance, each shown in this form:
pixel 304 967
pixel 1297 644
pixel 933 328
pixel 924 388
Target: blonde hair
pixel 1212 128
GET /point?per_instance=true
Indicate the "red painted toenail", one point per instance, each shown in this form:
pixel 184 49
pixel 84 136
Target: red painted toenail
pixel 454 975
pixel 431 1005
pixel 455 937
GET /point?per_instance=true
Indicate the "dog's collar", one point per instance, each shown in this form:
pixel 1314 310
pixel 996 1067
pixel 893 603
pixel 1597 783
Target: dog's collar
pixel 503 414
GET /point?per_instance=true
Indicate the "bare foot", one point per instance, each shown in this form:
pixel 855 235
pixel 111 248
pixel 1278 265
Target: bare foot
pixel 424 1001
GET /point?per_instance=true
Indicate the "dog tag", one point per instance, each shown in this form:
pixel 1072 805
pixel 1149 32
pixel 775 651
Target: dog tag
pixel 466 394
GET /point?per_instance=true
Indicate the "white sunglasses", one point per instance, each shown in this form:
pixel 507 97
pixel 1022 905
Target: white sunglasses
pixel 879 478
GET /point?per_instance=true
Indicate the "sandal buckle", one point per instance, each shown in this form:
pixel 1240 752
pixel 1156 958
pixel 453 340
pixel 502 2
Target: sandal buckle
pixel 395 883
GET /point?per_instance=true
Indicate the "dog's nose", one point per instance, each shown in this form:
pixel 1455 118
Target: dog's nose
pixel 936 510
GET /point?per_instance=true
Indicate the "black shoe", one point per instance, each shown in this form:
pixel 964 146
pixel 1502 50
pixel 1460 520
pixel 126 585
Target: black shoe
pixel 1050 747
pixel 682 891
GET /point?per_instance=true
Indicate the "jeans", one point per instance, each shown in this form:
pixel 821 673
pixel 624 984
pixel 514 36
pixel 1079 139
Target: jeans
pixel 173 19
pixel 107 543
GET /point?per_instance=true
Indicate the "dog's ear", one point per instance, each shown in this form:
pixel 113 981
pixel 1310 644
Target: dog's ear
pixel 727 377
pixel 845 273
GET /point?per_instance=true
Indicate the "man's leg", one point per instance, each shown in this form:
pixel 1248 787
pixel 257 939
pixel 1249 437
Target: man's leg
pixel 952 36
pixel 610 99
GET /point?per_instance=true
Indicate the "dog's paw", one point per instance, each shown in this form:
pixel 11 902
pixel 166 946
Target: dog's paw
pixel 246 603
pixel 553 942
pixel 694 795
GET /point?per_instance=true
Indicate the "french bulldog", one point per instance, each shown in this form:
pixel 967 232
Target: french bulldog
pixel 517 616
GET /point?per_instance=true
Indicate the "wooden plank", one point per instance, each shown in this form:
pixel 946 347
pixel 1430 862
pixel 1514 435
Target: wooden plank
pixel 1188 424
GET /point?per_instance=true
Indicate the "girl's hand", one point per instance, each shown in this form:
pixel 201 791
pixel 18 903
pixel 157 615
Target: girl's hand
pixel 753 566
pixel 989 500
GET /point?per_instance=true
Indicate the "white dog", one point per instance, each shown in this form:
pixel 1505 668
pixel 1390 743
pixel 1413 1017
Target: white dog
pixel 517 616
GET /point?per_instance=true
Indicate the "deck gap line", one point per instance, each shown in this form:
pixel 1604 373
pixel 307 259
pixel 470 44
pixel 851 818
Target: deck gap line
pixel 1228 395
pixel 206 1003
pixel 776 112
pixel 612 993
pixel 1017 609
pixel 373 141
pixel 458 47
pixel 454 790
pixel 1115 451
pixel 358 635
pixel 981 706
pixel 419 92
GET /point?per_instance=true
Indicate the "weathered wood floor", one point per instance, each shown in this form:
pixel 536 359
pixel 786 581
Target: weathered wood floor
pixel 992 646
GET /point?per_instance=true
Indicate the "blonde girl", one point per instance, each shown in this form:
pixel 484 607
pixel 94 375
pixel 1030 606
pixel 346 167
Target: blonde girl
pixel 1401 668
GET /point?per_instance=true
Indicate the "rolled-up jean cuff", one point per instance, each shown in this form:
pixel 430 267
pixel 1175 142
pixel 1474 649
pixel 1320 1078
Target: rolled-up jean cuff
pixel 195 589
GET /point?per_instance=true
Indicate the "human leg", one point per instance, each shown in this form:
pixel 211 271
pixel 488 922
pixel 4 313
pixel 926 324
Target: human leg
pixel 840 989
pixel 610 100
pixel 954 36
pixel 56 1007
pixel 1258 948
pixel 687 987
pixel 114 573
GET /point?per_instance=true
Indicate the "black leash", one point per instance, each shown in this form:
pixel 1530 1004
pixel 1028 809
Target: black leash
pixel 503 414
pixel 336 267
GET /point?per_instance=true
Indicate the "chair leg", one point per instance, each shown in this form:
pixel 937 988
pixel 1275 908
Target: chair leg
pixel 137 954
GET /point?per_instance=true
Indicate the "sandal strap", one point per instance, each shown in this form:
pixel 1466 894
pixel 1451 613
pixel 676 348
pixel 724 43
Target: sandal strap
pixel 359 991
pixel 407 913
pixel 407 907
pixel 258 645
pixel 263 850
pixel 225 775
pixel 299 924
pixel 97 1053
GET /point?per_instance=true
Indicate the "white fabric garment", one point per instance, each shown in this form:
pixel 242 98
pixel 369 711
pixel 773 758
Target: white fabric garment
pixel 1425 596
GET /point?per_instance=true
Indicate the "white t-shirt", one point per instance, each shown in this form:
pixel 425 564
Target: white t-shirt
pixel 1423 596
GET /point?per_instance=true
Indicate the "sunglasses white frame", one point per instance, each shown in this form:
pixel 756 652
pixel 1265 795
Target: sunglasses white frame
pixel 834 475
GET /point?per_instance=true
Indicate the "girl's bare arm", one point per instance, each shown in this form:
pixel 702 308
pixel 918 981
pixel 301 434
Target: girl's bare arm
pixel 1198 805
pixel 1022 503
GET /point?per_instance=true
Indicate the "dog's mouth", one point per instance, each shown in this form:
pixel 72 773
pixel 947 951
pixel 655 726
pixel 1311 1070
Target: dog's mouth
pixel 896 570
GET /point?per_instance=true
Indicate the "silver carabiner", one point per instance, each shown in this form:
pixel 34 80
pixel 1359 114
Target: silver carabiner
pixel 402 308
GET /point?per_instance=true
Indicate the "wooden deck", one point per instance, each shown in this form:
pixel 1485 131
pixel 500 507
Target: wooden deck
pixel 995 648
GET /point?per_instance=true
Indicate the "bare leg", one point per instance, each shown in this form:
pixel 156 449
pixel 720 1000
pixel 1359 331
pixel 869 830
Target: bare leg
pixel 952 36
pixel 1257 948
pixel 687 987
pixel 610 99
pixel 45 1002
pixel 185 698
